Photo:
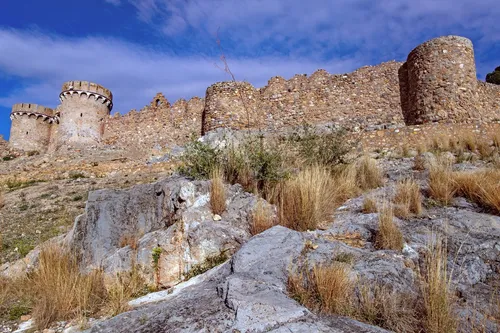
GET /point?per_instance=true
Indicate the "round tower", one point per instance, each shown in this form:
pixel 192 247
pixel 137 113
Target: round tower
pixel 82 113
pixel 442 81
pixel 31 127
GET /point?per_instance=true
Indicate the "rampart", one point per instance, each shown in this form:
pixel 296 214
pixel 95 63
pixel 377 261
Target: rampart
pixel 437 83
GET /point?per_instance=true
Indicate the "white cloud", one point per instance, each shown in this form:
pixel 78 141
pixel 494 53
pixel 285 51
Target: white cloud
pixel 132 72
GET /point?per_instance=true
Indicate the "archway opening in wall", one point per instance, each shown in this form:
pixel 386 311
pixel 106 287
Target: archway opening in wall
pixel 158 103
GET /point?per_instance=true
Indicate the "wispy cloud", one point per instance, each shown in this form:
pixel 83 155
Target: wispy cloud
pixel 134 73
pixel 387 28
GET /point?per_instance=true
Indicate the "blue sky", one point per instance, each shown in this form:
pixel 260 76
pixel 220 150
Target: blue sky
pixel 139 47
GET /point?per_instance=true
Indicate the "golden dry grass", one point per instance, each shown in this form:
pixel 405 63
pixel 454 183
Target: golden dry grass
pixel 129 240
pixel 496 140
pixel 381 306
pixel 327 289
pixel 436 293
pixel 2 200
pixel 123 287
pixel 262 218
pixel 307 200
pixel 441 184
pixel 408 197
pixel 389 236
pixel 330 289
pixel 419 163
pixel 368 174
pixel 217 192
pixel 369 205
pixel 481 187
pixel 61 292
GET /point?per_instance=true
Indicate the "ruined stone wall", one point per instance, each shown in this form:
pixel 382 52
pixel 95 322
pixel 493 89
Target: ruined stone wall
pixel 156 125
pixel 84 108
pixel 368 96
pixel 31 127
pixel 437 83
pixel 489 100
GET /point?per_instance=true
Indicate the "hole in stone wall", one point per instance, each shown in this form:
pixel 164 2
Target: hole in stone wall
pixel 26 133
pixel 158 102
pixel 81 115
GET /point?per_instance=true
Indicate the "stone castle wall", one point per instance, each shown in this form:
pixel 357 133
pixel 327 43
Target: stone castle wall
pixel 158 124
pixel 437 83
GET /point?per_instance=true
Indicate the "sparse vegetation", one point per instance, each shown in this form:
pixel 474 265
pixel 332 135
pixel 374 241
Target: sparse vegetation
pixel 217 192
pixel 407 199
pixel 494 77
pixel 388 236
pixel 262 218
pixel 156 256
pixel 369 205
pixel 209 263
pixel 437 297
pixel 368 174
pixel 441 186
pixel 61 291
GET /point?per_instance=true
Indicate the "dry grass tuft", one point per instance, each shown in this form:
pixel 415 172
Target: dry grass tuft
pixel 307 200
pixel 368 173
pixel 468 141
pixel 388 237
pixel 481 187
pixel 381 306
pixel 327 289
pixel 419 163
pixel 262 218
pixel 61 292
pixel 441 184
pixel 123 287
pixel 2 200
pixel 369 205
pixel 408 197
pixel 217 192
pixel 437 297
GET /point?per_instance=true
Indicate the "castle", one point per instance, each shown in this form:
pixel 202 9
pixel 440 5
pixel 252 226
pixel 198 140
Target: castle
pixel 437 83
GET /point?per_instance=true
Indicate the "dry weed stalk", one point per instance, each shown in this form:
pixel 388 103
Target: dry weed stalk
pixel 217 192
pixel 437 297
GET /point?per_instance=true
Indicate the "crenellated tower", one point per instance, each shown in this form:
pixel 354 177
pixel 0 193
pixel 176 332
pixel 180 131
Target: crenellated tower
pixel 83 111
pixel 31 126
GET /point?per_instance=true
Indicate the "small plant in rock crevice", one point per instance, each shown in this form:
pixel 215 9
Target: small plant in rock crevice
pixel 156 255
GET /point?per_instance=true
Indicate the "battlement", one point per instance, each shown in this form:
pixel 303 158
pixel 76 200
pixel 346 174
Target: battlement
pixel 34 111
pixel 87 89
pixel 87 86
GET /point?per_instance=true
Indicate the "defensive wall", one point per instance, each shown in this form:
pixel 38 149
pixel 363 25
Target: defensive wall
pixel 436 84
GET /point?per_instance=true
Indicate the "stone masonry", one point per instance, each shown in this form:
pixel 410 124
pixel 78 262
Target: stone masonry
pixel 437 83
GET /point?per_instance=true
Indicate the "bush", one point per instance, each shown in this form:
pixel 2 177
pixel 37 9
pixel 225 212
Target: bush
pixel 327 148
pixel 494 77
pixel 389 236
pixel 199 160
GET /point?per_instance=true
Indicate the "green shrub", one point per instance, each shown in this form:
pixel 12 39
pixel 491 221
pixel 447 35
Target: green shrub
pixel 199 160
pixel 8 157
pixel 328 148
pixel 494 77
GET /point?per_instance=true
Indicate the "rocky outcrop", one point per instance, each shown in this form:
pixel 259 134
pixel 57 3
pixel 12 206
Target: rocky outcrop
pixel 120 228
pixel 247 294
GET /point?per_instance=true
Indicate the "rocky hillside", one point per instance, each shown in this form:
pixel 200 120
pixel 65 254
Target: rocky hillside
pixel 403 240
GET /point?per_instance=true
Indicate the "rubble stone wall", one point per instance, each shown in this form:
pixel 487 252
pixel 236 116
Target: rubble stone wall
pixel 437 83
